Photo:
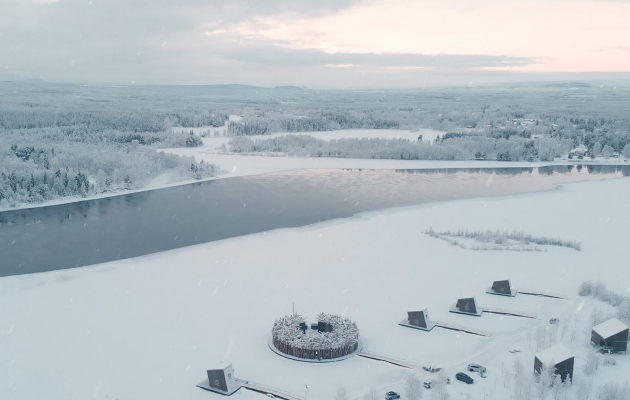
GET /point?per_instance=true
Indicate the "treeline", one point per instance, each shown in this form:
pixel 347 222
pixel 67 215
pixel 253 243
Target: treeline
pixel 45 164
pixel 314 121
pixel 456 148
pixel 106 117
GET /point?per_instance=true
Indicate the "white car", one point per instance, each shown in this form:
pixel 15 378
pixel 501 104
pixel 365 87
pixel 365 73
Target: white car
pixel 475 367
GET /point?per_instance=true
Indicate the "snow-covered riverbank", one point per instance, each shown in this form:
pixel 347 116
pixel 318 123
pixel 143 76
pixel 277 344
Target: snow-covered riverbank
pixel 149 327
pixel 241 165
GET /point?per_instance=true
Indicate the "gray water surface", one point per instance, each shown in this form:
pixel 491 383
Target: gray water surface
pixel 96 231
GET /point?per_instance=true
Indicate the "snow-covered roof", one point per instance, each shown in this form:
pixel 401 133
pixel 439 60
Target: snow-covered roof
pixel 555 354
pixel 610 328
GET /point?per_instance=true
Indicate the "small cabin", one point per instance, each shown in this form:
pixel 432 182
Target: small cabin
pixel 611 336
pixel 420 319
pixel 324 327
pixel 222 380
pixel 467 306
pixel 557 357
pixel 502 288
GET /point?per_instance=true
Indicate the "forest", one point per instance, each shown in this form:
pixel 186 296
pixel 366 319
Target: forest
pixel 59 140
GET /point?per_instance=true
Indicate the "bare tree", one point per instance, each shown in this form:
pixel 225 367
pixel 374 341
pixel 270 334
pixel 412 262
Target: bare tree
pixel 371 394
pixel 585 389
pixel 439 390
pixel 342 394
pixel 413 387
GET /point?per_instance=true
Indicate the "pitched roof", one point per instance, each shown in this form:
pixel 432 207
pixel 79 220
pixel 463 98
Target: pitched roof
pixel 610 328
pixel 555 354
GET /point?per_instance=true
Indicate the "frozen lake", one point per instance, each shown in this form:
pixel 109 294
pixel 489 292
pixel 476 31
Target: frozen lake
pixel 101 230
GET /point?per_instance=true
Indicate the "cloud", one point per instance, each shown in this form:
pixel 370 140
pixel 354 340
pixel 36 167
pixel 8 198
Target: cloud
pixel 267 54
pixel 304 42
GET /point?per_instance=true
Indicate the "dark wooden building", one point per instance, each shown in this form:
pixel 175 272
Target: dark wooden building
pixel 558 357
pixel 419 318
pixel 502 288
pixel 222 379
pixel 467 306
pixel 324 327
pixel 611 336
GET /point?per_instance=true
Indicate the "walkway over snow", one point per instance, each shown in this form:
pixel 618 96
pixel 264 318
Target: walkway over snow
pixel 504 311
pixel 462 328
pixel 388 359
pixel 539 293
pixel 277 393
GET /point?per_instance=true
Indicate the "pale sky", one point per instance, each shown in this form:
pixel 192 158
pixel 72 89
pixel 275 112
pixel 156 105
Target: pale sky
pixel 323 43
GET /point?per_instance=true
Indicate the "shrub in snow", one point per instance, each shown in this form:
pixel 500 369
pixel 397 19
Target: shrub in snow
pixel 599 291
pixel 341 394
pixel 614 391
pixel 592 363
pixel 501 240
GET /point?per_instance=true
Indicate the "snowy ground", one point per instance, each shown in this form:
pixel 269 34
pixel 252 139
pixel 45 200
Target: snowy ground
pixel 149 327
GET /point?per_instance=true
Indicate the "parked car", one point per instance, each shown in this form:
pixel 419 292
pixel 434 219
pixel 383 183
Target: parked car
pixel 427 384
pixel 475 367
pixel 554 321
pixel 392 396
pixel 460 376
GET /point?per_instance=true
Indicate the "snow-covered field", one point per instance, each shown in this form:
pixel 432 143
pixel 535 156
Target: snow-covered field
pixel 147 328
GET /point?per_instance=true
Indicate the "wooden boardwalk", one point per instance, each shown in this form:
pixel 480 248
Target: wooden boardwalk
pixel 543 294
pixel 388 359
pixel 514 313
pixel 264 389
pixel 462 328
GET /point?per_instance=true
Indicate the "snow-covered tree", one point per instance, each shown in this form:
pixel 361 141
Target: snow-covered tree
pixel 413 387
pixel 439 390
pixel 371 394
pixel 341 394
pixel 608 151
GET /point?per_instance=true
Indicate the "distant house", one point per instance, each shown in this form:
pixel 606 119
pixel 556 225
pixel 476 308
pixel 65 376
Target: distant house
pixel 221 381
pixel 558 357
pixel 581 150
pixel 611 335
pixel 467 306
pixel 502 288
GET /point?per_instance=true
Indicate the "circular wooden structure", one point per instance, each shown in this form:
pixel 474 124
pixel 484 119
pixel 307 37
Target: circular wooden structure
pixel 291 336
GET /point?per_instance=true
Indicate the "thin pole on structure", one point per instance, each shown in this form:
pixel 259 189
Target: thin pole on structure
pixel 306 392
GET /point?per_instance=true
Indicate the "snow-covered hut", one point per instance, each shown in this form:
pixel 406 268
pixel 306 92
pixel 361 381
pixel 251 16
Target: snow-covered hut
pixel 468 306
pixel 502 288
pixel 611 335
pixel 419 319
pixel 222 380
pixel 558 357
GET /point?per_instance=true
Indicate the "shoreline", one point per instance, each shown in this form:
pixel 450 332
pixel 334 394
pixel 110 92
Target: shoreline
pixel 242 165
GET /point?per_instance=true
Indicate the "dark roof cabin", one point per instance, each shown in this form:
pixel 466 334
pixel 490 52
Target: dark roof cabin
pixel 611 335
pixel 558 357
pixel 324 326
pixel 502 288
pixel 221 381
pixel 467 306
pixel 418 320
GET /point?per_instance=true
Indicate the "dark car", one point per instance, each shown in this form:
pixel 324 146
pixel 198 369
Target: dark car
pixel 464 378
pixel 392 396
